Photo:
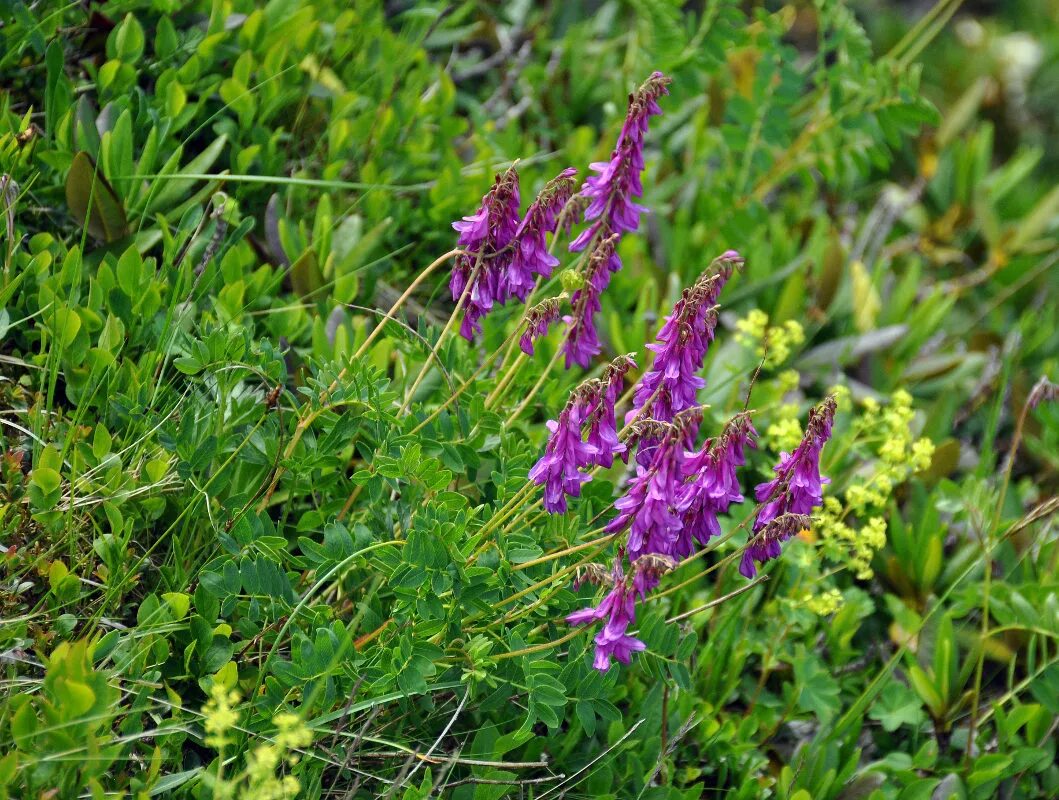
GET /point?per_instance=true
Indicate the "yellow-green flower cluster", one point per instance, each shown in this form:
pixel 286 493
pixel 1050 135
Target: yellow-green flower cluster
pixel 845 543
pixel 824 604
pixel 893 424
pixel 259 781
pixel 291 732
pixel 264 760
pixel 785 433
pixel 219 715
pixel 774 343
pixel 788 380
pixel 887 431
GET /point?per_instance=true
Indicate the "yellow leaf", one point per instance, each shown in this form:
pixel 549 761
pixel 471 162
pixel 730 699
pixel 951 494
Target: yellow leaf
pixel 93 202
pixel 866 303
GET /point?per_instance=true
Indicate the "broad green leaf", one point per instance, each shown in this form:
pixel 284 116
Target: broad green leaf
pixel 93 202
pixel 306 278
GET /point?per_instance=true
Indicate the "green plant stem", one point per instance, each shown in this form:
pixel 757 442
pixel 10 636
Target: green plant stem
pixel 465 385
pixel 564 552
pixel 537 648
pixel 987 581
pixel 400 301
pixel 536 388
pixel 505 381
pixel 505 511
pixel 433 355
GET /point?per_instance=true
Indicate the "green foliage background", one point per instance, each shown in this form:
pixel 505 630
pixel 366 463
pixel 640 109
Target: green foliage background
pixel 208 480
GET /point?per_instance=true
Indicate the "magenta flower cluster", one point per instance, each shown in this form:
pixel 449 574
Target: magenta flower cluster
pixel 711 485
pixel 568 452
pixel 672 383
pixel 797 489
pixel 610 196
pixel 618 609
pixel 485 237
pixel 501 254
pixel 611 192
pixel 582 340
pixel 668 506
pixel 673 500
pixel 538 320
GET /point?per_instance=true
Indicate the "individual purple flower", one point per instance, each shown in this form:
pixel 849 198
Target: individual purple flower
pixel 711 482
pixel 593 574
pixel 582 341
pixel 573 213
pixel 798 486
pixel 531 257
pixel 481 269
pixel 619 610
pixel 602 430
pixel 765 544
pixel 1043 391
pixel 649 507
pixel 538 319
pixel 610 192
pixel 672 382
pixel 648 571
pixel 559 469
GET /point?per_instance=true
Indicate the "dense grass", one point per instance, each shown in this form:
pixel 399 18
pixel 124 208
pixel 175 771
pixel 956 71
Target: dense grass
pixel 265 518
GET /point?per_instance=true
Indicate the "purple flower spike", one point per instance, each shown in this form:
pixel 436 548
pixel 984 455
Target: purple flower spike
pixel 765 544
pixel 648 572
pixel 797 488
pixel 609 195
pixel 650 506
pixel 582 341
pixel 531 257
pixel 559 469
pixel 482 268
pixel 672 383
pixel 712 485
pixel 538 319
pixel 619 610
pixel 610 192
pixel 566 454
pixel 603 431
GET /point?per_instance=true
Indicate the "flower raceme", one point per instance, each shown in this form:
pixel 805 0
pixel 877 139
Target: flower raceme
pixel 649 507
pixel 582 340
pixel 610 196
pixel 503 254
pixel 531 257
pixel 765 543
pixel 538 319
pixel 672 382
pixel 565 455
pixel 567 452
pixel 711 484
pixel 603 429
pixel 485 238
pixel 610 192
pixel 619 610
pixel 797 489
